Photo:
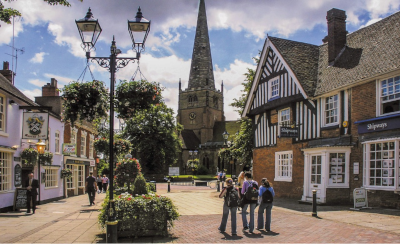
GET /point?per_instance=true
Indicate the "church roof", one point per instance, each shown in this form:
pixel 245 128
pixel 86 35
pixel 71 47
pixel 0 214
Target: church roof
pixel 230 126
pixel 201 69
pixel 189 139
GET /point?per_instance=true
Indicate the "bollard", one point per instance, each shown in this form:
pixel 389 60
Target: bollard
pixel 169 186
pixel 218 190
pixel 314 203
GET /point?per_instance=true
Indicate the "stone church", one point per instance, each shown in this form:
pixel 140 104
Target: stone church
pixel 201 108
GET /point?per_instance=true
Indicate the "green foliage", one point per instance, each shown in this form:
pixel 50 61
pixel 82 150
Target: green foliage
pixel 140 186
pixel 154 134
pixel 134 96
pixel 141 214
pixel 103 167
pixel 29 156
pixel 101 145
pixel 122 146
pixel 151 187
pixel 46 157
pixel 202 170
pixel 85 101
pixel 126 172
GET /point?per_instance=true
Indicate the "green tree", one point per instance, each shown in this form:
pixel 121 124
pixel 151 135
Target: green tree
pixel 7 13
pixel 154 136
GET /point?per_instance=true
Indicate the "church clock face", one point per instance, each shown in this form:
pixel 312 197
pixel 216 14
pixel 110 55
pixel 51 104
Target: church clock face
pixel 192 115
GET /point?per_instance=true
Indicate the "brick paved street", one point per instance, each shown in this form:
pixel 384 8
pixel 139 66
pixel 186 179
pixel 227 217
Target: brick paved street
pixel 71 220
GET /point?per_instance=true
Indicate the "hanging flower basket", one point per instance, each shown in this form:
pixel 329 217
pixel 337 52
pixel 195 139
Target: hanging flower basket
pixel 101 145
pixel 66 173
pixel 136 95
pixel 122 146
pixel 29 156
pixel 84 101
pixel 46 158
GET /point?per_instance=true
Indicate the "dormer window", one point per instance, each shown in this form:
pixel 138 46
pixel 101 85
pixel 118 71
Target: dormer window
pixel 274 88
pixel 389 96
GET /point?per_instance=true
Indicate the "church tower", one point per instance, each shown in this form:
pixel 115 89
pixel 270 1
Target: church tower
pixel 200 105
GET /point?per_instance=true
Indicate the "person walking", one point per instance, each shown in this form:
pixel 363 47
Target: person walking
pixel 104 183
pixel 32 186
pixel 240 186
pixel 250 192
pixel 99 183
pixel 266 196
pixel 231 198
pixel 91 188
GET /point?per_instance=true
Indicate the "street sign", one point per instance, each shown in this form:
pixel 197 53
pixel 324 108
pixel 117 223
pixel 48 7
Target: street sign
pixel 173 171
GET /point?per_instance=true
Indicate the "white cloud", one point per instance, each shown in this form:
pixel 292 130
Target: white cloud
pixel 38 58
pixel 37 82
pixel 32 93
pixel 60 79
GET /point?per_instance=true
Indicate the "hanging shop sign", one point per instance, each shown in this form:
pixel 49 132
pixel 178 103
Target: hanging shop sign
pixel 289 132
pixel 69 149
pixel 35 125
pixel 92 163
pixel 72 161
pixel 378 125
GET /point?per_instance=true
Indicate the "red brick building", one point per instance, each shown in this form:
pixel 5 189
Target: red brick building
pixel 327 118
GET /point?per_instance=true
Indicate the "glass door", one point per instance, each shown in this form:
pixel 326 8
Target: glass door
pixel 315 175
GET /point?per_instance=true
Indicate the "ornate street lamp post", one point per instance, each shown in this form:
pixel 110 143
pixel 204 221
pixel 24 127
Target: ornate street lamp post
pixel 90 30
pixel 40 146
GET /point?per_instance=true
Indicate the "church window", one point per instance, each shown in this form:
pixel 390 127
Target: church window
pixel 192 100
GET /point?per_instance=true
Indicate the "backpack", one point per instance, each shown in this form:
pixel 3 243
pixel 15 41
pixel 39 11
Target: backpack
pixel 252 192
pixel 267 197
pixel 232 198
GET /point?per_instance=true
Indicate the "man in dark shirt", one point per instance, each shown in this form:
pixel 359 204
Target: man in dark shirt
pixel 32 186
pixel 91 187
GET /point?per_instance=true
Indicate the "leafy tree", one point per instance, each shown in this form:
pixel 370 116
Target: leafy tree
pixel 7 13
pixel 154 136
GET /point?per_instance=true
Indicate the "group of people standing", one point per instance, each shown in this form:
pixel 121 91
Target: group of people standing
pixel 102 183
pixel 248 194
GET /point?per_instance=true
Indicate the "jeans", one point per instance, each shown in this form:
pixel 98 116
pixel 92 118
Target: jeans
pixel 225 215
pixel 267 207
pixel 244 218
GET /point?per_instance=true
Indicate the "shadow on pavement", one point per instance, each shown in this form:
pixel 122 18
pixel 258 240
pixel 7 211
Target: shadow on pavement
pixel 230 237
pixel 252 235
pixel 269 233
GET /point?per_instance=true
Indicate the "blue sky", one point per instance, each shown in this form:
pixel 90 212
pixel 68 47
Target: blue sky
pixel 237 31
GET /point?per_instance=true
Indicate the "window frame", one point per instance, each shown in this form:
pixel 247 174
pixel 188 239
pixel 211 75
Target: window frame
pixel 279 173
pixel 3 114
pixel 395 159
pixel 271 85
pixel 91 146
pixel 379 95
pixel 81 176
pixel 74 135
pixel 70 181
pixel 51 177
pixel 280 119
pixel 57 142
pixel 6 157
pixel 323 112
pixel 345 168
pixel 83 140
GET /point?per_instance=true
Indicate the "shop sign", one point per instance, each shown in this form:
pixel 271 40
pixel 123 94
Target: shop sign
pixel 379 125
pixel 92 163
pixel 69 149
pixel 35 125
pixel 360 198
pixel 289 132
pixel 72 161
pixel 17 175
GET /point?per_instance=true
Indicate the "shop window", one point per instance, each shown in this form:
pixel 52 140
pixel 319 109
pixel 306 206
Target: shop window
pixel 389 96
pixel 5 171
pixel 81 176
pixel 331 110
pixel 70 181
pixel 337 169
pixel 51 177
pixel 283 166
pixel 2 113
pixel 57 142
pixel 380 163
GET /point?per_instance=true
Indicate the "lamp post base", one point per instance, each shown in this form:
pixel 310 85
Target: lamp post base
pixel 112 232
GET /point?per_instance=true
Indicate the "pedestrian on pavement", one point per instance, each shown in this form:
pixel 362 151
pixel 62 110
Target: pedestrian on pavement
pixel 91 188
pixel 240 186
pixel 31 185
pixel 250 192
pixel 231 197
pixel 220 176
pixel 266 199
pixel 104 183
pixel 99 183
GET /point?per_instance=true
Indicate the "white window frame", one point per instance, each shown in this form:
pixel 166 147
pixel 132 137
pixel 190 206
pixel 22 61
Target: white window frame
pixel 71 181
pixel 281 122
pixel 6 175
pixel 57 142
pixel 273 86
pixel 334 166
pixel 3 114
pixel 393 156
pixel 81 176
pixel 284 166
pixel 74 135
pixel 52 175
pixel 83 140
pixel 91 146
pixel 381 91
pixel 323 112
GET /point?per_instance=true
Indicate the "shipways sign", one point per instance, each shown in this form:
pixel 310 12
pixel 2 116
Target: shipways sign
pixel 35 125
pixel 289 132
pixel 379 125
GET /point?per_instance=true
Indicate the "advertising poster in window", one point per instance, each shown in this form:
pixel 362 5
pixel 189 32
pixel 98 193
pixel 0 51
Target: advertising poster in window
pixel 35 125
pixel 69 149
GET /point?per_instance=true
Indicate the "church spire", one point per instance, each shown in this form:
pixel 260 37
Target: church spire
pixel 201 70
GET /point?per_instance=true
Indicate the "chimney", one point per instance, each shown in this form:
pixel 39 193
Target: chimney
pixel 6 72
pixel 50 89
pixel 336 32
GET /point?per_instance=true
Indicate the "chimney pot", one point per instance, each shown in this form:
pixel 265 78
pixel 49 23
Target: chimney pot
pixel 6 65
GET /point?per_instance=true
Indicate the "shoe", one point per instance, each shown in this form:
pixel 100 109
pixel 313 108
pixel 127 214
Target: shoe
pixel 259 228
pixel 234 234
pixel 251 232
pixel 28 211
pixel 245 228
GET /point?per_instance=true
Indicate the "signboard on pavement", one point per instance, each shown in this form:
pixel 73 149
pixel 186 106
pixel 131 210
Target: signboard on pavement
pixel 173 171
pixel 360 198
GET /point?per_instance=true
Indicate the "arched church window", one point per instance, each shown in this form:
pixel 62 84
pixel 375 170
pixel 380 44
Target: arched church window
pixel 208 163
pixel 190 100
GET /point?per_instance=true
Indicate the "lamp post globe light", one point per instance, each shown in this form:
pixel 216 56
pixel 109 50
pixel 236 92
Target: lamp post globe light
pixel 40 146
pixel 89 31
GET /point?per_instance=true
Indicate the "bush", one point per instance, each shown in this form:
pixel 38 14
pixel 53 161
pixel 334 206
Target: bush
pixel 126 172
pixel 202 170
pixel 142 214
pixel 140 186
pixel 151 187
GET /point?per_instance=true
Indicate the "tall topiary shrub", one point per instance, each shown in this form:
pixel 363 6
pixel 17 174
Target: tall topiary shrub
pixel 140 187
pixel 126 172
